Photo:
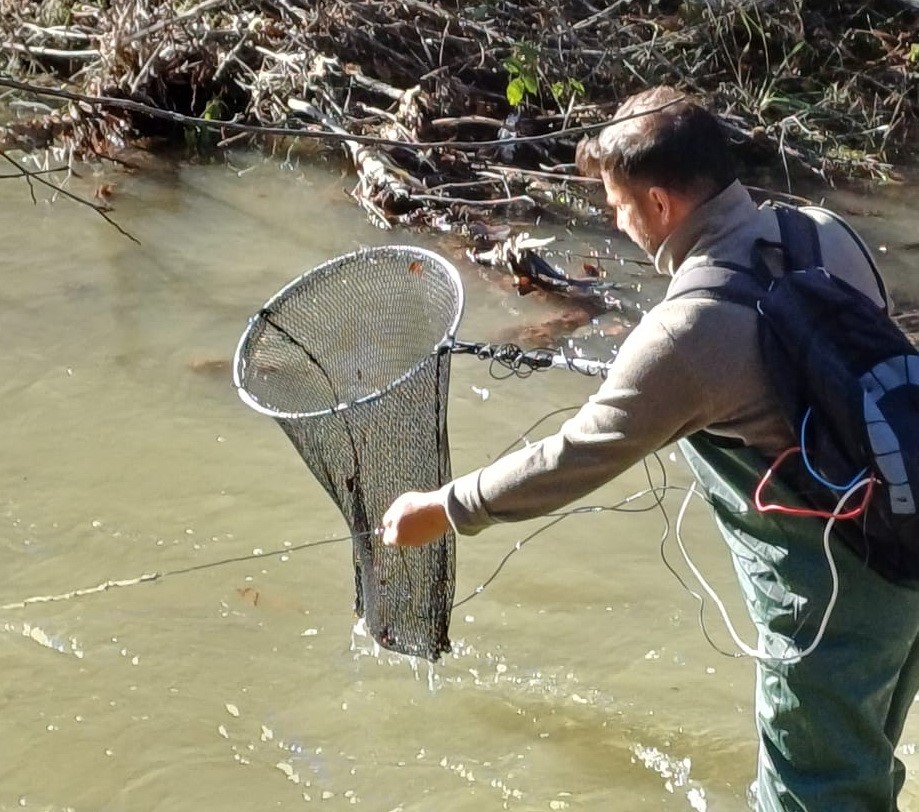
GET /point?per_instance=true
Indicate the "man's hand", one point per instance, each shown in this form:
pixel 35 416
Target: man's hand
pixel 415 519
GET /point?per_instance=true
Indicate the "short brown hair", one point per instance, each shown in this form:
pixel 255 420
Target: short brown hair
pixel 668 140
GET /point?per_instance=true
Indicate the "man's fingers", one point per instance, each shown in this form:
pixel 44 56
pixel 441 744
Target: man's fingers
pixel 390 536
pixel 393 519
pixel 415 518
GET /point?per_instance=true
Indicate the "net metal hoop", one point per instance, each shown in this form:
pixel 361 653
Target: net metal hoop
pixel 444 268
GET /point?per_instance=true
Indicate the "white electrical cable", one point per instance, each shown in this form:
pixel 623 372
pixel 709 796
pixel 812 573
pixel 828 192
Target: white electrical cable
pixel 586 366
pixel 759 653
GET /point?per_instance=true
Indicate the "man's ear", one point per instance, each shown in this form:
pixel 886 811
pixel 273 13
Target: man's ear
pixel 670 207
pixel 662 202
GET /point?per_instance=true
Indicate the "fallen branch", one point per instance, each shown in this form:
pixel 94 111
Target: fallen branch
pixel 53 53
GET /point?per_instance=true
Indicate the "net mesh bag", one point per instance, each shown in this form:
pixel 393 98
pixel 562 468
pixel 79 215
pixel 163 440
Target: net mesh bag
pixel 352 361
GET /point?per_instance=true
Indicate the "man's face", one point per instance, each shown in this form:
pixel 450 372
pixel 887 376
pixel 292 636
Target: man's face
pixel 636 212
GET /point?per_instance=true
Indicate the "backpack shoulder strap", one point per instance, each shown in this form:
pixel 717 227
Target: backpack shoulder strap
pixel 799 238
pixel 718 281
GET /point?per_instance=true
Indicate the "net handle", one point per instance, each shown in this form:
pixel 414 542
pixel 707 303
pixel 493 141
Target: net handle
pixel 514 358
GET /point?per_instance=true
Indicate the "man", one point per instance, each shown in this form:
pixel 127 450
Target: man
pixel 691 372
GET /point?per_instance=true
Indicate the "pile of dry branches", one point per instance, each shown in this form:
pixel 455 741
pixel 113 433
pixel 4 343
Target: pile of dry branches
pixel 451 109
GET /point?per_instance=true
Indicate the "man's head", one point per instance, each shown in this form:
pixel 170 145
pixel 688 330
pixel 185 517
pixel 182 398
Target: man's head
pixel 657 167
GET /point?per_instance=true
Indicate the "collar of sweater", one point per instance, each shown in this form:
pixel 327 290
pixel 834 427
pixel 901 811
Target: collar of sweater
pixel 706 228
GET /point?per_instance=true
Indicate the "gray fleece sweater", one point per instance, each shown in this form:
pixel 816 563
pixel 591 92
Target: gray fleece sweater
pixel 690 364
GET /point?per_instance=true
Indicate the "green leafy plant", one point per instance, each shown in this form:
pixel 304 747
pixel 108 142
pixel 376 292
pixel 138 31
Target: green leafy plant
pixel 522 68
pixel 201 141
pixel 563 91
pixel 523 71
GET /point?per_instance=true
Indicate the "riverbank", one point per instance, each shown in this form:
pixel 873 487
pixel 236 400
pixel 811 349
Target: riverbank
pixel 458 117
pixel 454 90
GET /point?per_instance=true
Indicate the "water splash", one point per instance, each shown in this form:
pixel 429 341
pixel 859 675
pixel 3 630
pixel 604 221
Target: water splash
pixel 674 771
pixel 38 635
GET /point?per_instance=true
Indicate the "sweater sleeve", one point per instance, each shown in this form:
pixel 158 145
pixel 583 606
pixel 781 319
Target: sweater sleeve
pixel 649 399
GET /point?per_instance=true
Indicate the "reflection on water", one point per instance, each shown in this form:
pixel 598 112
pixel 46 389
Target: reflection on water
pixel 579 678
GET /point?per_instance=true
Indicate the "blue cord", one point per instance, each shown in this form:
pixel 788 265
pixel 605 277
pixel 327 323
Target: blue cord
pixel 807 464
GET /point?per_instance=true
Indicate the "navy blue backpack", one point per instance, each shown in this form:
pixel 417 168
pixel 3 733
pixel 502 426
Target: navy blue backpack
pixel 848 381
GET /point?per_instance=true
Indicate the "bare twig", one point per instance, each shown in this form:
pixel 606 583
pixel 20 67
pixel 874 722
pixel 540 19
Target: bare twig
pixel 196 11
pixel 53 53
pixel 31 178
pixel 465 201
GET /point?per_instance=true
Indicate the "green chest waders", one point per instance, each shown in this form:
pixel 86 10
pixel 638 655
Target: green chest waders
pixel 829 722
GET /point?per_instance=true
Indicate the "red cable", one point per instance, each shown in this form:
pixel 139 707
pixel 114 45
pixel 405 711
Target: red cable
pixel 822 514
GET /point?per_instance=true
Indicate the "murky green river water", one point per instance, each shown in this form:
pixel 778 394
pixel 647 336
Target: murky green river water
pixel 580 678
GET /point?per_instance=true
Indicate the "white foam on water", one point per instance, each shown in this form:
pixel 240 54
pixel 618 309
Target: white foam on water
pixel 38 635
pixel 674 771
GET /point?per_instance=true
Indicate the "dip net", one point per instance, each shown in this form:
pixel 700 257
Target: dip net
pixel 352 360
